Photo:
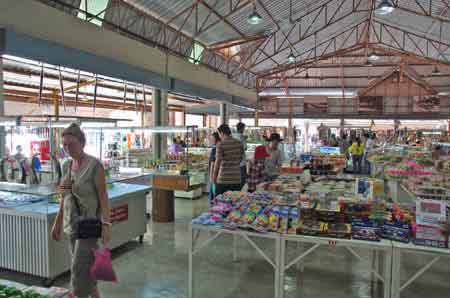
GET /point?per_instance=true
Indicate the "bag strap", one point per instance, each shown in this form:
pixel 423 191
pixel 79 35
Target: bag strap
pixel 73 196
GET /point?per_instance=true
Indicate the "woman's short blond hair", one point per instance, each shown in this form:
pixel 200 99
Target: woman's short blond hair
pixel 75 131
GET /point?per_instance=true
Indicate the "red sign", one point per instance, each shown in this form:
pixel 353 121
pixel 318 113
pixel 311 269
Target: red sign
pixel 119 214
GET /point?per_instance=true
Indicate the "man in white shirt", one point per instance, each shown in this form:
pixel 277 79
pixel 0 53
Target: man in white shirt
pixel 275 159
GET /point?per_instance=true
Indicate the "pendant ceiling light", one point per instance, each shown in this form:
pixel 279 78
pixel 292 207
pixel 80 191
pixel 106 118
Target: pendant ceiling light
pixel 373 57
pixel 291 58
pixel 436 71
pixel 254 18
pixel 384 8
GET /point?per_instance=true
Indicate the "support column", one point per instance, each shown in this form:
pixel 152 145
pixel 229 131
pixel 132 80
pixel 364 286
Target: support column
pixel 2 112
pixel 205 120
pixel 257 119
pixel 164 120
pixel 223 114
pixel 157 119
pixel 306 136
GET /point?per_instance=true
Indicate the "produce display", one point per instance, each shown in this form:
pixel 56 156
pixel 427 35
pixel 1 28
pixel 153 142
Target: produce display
pixel 15 290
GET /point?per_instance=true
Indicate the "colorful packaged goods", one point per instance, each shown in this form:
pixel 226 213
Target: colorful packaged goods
pixel 294 220
pixel 365 229
pixel 430 236
pixel 284 220
pixel 337 230
pixel 396 231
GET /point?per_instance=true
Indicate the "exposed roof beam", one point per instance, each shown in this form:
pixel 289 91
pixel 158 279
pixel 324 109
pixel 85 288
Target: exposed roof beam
pixel 321 14
pixel 310 55
pixel 235 42
pixel 242 4
pixel 423 11
pixel 222 18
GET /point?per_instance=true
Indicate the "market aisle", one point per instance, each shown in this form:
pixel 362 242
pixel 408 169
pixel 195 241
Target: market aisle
pixel 158 269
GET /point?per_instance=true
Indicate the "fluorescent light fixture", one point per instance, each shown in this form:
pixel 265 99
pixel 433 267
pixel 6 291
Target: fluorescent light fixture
pixel 384 8
pixel 436 71
pixel 373 57
pixel 169 129
pixel 288 97
pixel 8 123
pixel 291 58
pixel 254 18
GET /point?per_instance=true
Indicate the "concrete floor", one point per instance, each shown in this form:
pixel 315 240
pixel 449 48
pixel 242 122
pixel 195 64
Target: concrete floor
pixel 159 269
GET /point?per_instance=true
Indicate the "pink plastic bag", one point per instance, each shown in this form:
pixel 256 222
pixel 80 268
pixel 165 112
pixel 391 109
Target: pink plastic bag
pixel 102 269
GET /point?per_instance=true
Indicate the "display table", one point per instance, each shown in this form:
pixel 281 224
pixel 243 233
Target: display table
pixel 164 185
pixel 435 255
pixel 384 246
pixel 214 232
pixel 25 231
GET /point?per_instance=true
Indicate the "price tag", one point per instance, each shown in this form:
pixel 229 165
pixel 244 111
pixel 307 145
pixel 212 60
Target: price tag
pixel 332 243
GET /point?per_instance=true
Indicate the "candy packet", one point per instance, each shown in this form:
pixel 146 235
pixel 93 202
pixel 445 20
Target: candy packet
pixel 284 220
pixel 294 220
pixel 274 218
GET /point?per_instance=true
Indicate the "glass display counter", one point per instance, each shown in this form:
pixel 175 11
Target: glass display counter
pixel 26 219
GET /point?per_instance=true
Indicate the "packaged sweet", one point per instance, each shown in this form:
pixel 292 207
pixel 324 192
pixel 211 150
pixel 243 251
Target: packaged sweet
pixel 274 219
pixel 338 230
pixel 294 220
pixel 365 229
pixel 250 214
pixel 396 231
pixel 234 216
pixel 284 220
pixel 432 236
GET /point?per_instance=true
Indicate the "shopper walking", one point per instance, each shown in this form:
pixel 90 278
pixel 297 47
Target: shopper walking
pixel 229 155
pixel 357 151
pixel 240 127
pixel 275 160
pixel 84 186
pixel 214 139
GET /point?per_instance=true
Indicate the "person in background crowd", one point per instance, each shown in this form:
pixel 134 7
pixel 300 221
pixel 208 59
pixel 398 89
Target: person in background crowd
pixel 229 155
pixel 240 127
pixel 357 151
pixel 367 148
pixel 333 141
pixel 256 173
pixel 344 145
pixel 214 139
pixel 275 160
pixel 84 176
pixel 175 148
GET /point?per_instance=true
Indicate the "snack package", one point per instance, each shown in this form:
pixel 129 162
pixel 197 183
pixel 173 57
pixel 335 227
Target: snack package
pixel 284 220
pixel 234 216
pixel 396 231
pixel 261 223
pixel 274 219
pixel 250 214
pixel 294 220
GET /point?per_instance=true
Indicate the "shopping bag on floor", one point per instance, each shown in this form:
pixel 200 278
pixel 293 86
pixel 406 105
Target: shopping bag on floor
pixel 102 269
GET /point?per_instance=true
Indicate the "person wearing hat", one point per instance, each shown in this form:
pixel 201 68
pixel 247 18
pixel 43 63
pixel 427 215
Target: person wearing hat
pixel 274 162
pixel 256 173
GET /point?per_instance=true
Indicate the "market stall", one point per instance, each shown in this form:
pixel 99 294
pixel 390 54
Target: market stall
pixel 26 221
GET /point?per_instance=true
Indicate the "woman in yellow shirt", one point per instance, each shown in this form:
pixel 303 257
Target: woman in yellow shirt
pixel 357 152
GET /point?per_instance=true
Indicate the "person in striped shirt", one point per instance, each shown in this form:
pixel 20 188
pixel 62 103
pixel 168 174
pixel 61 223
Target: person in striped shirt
pixel 229 155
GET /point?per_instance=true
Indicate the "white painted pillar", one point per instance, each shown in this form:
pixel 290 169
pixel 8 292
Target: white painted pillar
pixel 2 111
